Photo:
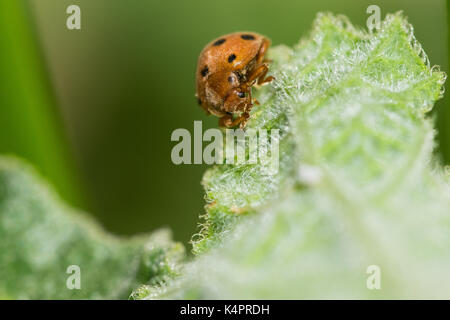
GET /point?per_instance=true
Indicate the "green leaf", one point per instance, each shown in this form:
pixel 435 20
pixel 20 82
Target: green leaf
pixel 357 185
pixel 40 238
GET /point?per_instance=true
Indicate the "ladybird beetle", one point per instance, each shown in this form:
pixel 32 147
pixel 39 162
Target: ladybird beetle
pixel 227 69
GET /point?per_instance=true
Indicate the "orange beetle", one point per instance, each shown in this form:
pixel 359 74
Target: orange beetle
pixel 227 69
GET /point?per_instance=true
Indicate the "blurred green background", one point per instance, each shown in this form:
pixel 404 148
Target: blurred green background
pixel 93 109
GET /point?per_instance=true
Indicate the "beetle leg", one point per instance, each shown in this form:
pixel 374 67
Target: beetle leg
pixel 258 75
pixel 244 118
pixel 262 51
pixel 262 77
pixel 249 104
pixel 246 114
pixel 227 121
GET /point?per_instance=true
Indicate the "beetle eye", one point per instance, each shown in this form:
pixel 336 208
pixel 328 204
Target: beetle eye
pixel 241 95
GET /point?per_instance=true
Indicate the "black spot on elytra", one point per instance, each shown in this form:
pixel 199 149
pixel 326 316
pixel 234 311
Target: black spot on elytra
pixel 204 71
pixel 231 57
pixel 219 42
pixel 247 37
